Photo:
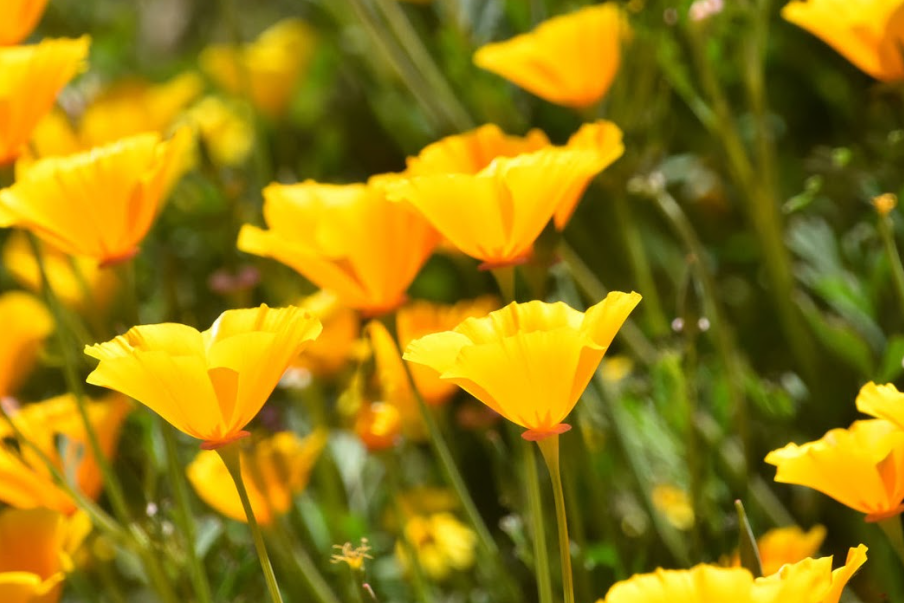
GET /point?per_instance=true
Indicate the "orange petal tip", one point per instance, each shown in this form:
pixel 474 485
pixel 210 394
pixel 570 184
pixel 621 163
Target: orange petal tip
pixel 883 515
pixel 214 444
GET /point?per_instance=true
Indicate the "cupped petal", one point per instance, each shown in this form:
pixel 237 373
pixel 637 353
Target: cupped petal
pixel 882 402
pixel 840 577
pixel 20 18
pixel 700 583
pixel 603 320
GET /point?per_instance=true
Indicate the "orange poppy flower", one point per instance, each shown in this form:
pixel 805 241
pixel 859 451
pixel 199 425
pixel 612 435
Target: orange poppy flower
pixel 529 362
pixel 782 546
pixel 99 203
pixel 26 324
pixel 378 425
pixel 348 239
pixel 861 467
pixel 208 385
pixel 30 79
pixel 868 33
pixel 20 17
pixel 569 60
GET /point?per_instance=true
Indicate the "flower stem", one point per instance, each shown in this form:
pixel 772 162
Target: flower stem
pixel 892 528
pixel 303 563
pixel 232 460
pixel 505 278
pixel 550 449
pixel 185 517
pixel 535 508
pixel 894 257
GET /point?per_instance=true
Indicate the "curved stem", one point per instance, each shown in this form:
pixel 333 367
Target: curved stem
pixel 232 459
pixel 892 528
pixel 550 449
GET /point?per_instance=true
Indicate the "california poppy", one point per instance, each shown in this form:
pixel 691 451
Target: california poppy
pixel 19 19
pixel 26 324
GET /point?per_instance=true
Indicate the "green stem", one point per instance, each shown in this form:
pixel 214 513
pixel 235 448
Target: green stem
pixel 232 459
pixel 550 448
pixel 749 551
pixel 505 278
pixel 892 528
pixel 535 509
pixel 185 516
pixel 894 257
pixel 304 565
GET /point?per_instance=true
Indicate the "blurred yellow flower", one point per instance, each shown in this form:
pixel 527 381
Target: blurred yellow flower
pixel 30 79
pixel 26 323
pixel 378 425
pixel 882 402
pixel 861 467
pixel 868 33
pixel 569 60
pixel 268 69
pixel 441 542
pixel 56 428
pixel 885 203
pixel 529 362
pixel 99 203
pixel 274 470
pixel 79 282
pixel 496 214
pixel 809 581
pixel 36 548
pixel 339 340
pixel 348 239
pixel 675 505
pixel 20 17
pixel 208 385
pixel 224 128
pixel 782 546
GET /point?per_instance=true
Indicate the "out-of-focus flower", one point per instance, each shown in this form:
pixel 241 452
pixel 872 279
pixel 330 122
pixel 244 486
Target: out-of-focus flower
pixel 208 385
pixel 56 428
pixel 30 79
pixel 809 581
pixel 569 60
pixel 20 17
pixel 704 9
pixel 616 368
pixel 782 546
pixel 352 556
pixel 441 542
pixel 884 203
pixel 868 33
pixel 99 203
pixel 675 505
pixel 338 342
pixel 861 467
pixel 274 470
pixel 26 323
pixel 882 402
pixel 79 282
pixel 268 69
pixel 348 239
pixel 529 362
pixel 225 129
pixel 496 214
pixel 36 548
pixel 378 425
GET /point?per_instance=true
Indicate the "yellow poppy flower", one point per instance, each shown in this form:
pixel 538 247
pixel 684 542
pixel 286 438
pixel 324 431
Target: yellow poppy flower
pixel 268 69
pixel 26 323
pixel 529 362
pixel 79 282
pixel 225 129
pixel 20 17
pixel 441 542
pixel 339 340
pixel 867 33
pixel 782 546
pixel 30 79
pixel 36 548
pixel 274 470
pixel 496 214
pixel 99 203
pixel 569 60
pixel 809 581
pixel 861 467
pixel 473 151
pixel 348 239
pixel 208 385
pixel 25 482
pixel 882 402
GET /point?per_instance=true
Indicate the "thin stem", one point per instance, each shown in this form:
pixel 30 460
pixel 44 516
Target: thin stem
pixel 892 528
pixel 550 449
pixel 505 278
pixel 185 516
pixel 535 509
pixel 232 459
pixel 894 257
